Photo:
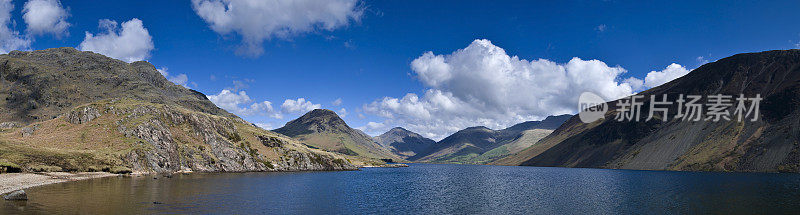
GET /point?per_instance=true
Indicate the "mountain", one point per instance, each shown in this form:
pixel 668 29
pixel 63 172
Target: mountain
pixel 69 110
pixel 767 145
pixel 405 143
pixel 323 129
pixel 480 145
pixel 549 123
pixel 40 85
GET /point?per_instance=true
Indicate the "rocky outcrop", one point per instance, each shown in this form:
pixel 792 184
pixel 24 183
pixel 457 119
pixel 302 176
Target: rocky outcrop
pixel 271 141
pixel 28 131
pixel 9 125
pixel 82 115
pixel 298 161
pixel 166 139
pixel 221 147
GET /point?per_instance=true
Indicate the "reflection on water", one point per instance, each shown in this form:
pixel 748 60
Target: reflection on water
pixel 424 188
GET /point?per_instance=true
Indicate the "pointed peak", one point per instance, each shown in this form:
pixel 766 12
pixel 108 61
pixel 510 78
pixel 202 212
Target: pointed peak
pixel 317 120
pixel 557 117
pixel 320 113
pixel 480 127
pixel 399 129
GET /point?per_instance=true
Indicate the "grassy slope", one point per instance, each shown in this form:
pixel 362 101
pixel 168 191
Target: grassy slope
pixel 341 143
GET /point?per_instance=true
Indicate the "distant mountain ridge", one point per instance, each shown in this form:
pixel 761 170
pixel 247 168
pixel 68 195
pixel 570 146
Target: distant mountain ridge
pixel 480 145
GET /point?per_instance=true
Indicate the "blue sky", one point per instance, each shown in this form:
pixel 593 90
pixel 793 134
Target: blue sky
pixel 366 60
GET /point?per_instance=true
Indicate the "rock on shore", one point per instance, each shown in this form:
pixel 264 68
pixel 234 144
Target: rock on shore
pixel 18 195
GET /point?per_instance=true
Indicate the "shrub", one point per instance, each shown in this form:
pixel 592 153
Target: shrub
pixel 8 167
pixel 45 168
pixel 234 137
pixel 120 170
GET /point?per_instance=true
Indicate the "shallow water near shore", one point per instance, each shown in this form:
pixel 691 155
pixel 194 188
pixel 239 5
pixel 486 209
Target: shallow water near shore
pixel 423 188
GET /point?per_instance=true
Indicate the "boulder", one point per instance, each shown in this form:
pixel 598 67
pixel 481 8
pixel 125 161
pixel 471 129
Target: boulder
pixel 28 131
pixel 18 195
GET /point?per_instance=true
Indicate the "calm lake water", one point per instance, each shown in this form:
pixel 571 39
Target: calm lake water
pixel 424 188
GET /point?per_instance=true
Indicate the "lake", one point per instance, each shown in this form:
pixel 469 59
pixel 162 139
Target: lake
pixel 424 188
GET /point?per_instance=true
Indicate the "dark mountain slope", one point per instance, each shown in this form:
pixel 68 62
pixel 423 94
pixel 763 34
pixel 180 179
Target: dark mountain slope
pixel 769 144
pixel 549 123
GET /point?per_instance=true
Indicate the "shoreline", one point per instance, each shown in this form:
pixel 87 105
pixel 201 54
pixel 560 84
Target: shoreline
pixel 10 182
pixel 388 165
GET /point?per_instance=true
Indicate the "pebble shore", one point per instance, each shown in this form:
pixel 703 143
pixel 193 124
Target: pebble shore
pixel 10 182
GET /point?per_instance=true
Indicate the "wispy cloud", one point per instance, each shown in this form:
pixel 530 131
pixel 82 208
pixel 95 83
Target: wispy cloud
pixel 601 28
pixel 337 102
pixel 702 60
pixel 256 21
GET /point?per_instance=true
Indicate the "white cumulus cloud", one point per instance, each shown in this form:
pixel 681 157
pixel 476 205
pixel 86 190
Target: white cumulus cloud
pixel 130 43
pixel 298 105
pixel 259 20
pixel 483 85
pixel 672 72
pixel 237 103
pixel 45 17
pixel 636 84
pixel 9 38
